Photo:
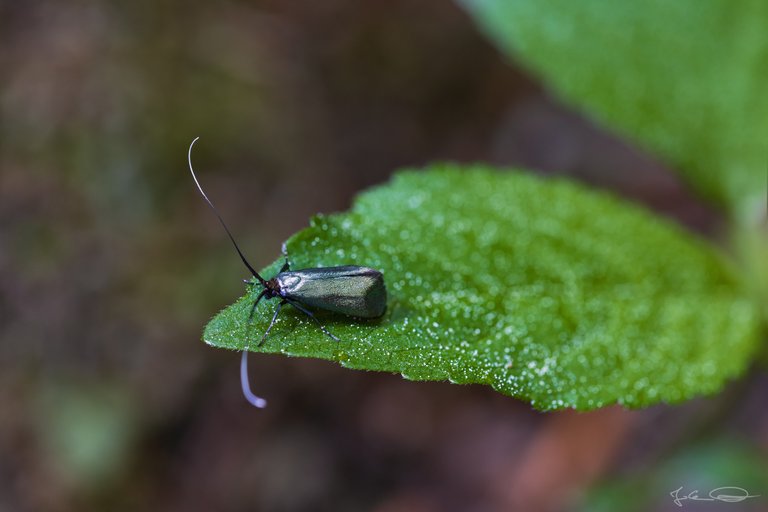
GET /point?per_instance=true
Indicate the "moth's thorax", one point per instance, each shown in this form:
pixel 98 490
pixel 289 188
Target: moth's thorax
pixel 274 288
pixel 286 281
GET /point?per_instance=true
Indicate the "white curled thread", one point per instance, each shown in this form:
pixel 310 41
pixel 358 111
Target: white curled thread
pixel 253 399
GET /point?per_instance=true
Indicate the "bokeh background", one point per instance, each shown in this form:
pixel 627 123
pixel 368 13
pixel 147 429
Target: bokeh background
pixel 110 266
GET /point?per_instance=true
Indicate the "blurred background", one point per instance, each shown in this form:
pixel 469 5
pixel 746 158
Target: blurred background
pixel 111 264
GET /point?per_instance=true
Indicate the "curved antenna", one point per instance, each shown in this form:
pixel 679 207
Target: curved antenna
pixel 242 257
pixel 253 399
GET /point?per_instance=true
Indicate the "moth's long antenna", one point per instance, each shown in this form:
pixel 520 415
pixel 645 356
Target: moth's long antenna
pixel 253 399
pixel 242 257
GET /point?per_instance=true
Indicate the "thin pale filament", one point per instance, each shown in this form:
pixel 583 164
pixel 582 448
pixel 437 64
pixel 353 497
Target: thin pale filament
pixel 244 381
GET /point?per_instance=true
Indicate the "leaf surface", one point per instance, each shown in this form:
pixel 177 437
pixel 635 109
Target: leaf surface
pixel 539 288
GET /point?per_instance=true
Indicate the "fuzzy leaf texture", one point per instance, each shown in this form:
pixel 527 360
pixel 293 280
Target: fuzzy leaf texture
pixel 539 288
pixel 685 79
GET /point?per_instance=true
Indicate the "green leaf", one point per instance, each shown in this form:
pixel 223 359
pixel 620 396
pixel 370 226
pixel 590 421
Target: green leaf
pixel 686 79
pixel 539 288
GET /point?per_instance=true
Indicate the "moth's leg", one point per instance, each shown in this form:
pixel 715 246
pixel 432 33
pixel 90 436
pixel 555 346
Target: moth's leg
pixel 310 315
pixel 256 303
pixel 287 264
pixel 274 317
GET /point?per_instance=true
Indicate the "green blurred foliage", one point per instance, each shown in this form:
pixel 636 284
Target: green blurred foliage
pixel 89 429
pixel 685 79
pixel 702 466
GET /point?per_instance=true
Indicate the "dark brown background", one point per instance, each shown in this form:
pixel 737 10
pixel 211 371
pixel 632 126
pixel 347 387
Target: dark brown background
pixel 110 265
